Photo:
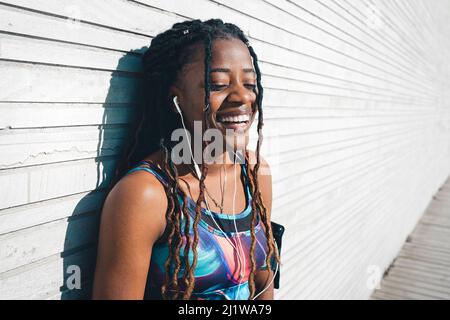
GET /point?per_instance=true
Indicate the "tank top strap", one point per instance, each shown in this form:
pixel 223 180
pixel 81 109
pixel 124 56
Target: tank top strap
pixel 152 168
pixel 247 184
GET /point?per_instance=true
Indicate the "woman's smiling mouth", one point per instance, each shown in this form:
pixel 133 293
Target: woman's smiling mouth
pixel 238 118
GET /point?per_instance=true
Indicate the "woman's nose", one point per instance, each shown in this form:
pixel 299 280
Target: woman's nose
pixel 241 94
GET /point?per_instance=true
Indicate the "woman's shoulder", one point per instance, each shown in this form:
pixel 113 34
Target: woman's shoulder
pixel 139 199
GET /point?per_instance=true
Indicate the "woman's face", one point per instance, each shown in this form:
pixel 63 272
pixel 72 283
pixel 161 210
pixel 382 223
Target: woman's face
pixel 232 95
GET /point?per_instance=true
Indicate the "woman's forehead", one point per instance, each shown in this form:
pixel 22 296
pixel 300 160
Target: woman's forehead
pixel 231 51
pixel 226 53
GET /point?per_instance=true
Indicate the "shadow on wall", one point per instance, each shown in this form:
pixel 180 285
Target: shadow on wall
pixel 124 95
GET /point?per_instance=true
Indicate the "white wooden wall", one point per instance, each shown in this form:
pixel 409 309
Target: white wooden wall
pixel 357 129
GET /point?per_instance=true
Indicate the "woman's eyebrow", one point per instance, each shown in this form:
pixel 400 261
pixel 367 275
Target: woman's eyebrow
pixel 246 70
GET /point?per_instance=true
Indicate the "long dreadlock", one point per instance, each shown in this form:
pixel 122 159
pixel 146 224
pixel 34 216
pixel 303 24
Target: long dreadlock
pixel 168 53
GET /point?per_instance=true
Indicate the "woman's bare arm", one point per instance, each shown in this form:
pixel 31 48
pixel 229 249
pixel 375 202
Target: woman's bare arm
pixel 133 218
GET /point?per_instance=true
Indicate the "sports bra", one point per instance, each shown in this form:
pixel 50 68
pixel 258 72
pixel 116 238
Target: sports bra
pixel 218 269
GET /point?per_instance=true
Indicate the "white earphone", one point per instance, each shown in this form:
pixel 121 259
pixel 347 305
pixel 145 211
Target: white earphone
pixel 197 169
pixel 199 174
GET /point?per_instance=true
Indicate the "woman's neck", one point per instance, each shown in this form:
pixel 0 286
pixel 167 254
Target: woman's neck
pixel 215 165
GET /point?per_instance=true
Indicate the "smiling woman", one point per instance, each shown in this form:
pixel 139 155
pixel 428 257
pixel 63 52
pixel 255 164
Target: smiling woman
pixel 156 242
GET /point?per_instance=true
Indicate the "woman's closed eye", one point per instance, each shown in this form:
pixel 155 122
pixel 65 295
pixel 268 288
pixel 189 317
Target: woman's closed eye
pixel 218 87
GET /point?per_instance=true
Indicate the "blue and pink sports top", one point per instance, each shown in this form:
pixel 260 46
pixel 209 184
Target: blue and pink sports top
pixel 219 267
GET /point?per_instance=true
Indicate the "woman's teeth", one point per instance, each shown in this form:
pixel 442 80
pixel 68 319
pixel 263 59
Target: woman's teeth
pixel 241 118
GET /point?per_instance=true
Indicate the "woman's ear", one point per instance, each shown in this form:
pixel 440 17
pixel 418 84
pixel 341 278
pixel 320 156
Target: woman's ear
pixel 174 91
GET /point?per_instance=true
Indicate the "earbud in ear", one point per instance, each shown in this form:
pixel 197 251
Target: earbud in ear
pixel 175 102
